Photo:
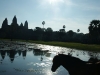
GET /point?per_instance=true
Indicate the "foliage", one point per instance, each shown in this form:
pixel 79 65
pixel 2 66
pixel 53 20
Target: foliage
pixel 43 23
pixel 78 30
pixel 94 31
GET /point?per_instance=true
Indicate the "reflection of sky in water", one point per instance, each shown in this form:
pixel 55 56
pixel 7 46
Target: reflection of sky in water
pixel 26 63
pixel 46 64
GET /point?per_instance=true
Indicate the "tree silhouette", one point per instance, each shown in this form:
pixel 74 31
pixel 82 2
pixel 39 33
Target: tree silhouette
pixel 64 26
pixel 38 33
pixel 78 30
pixel 48 32
pixel 94 30
pixel 43 24
pixel 70 33
pixel 61 30
pixel 49 29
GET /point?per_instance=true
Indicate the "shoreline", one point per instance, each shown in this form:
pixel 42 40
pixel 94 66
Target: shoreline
pixel 78 46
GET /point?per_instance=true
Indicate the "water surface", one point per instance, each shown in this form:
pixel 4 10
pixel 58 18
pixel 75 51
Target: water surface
pixel 21 58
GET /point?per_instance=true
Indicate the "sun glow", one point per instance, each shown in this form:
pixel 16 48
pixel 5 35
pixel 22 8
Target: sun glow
pixel 53 1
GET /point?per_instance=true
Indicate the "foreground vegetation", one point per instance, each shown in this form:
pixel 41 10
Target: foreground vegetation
pixel 79 46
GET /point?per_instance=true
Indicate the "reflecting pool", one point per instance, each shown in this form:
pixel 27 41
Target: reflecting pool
pixel 21 58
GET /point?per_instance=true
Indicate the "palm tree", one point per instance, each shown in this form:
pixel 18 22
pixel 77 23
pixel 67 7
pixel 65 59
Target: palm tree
pixel 64 26
pixel 93 27
pixel 78 30
pixel 43 24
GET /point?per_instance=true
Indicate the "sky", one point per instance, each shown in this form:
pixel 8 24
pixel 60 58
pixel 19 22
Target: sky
pixel 74 14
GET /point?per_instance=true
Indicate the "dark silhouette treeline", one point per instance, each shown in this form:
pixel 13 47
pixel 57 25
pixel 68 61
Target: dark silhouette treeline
pixel 16 31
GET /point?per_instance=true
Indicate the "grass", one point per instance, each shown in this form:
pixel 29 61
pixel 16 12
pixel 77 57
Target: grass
pixel 79 46
pixel 87 47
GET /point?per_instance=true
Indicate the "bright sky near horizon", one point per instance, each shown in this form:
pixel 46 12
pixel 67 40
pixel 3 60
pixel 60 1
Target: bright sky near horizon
pixel 74 14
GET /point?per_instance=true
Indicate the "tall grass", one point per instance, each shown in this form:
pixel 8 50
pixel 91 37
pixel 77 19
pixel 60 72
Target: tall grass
pixel 88 47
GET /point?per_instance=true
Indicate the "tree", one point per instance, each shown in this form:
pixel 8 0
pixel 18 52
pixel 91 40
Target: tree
pixel 61 30
pixel 62 34
pixel 48 32
pixel 99 28
pixel 38 33
pixel 78 30
pixel 43 24
pixel 49 29
pixel 70 33
pixel 64 26
pixel 94 30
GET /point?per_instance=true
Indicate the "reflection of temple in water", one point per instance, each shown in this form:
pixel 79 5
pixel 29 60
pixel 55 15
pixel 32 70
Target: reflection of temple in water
pixel 41 58
pixel 24 54
pixel 39 52
pixel 2 53
pixel 48 54
pixel 12 54
pixel 19 52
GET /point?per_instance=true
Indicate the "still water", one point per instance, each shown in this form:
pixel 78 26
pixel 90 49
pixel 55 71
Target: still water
pixel 21 58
